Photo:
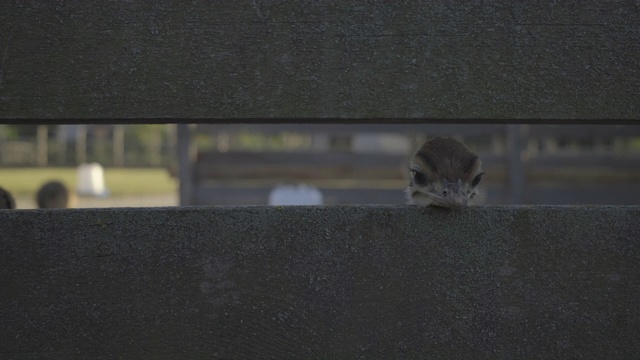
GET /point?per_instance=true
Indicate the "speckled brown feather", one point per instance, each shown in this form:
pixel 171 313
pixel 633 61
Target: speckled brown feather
pixel 447 158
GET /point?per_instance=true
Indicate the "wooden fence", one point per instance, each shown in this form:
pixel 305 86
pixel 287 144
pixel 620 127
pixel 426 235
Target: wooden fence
pixel 320 282
pixel 110 145
pixel 334 281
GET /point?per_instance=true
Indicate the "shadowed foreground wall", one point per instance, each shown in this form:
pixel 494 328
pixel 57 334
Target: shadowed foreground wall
pixel 220 61
pixel 320 282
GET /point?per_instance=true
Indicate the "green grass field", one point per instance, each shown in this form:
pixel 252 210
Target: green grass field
pixel 119 181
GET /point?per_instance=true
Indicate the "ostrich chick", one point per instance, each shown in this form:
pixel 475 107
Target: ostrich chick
pixel 443 172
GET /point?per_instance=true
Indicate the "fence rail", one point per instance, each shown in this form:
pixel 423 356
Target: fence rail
pixel 320 282
pixel 328 61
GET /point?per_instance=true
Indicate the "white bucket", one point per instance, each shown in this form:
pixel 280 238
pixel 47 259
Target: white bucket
pixel 295 195
pixel 91 180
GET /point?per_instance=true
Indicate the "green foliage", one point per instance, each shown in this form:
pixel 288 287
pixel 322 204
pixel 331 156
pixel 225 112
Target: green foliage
pixel 9 132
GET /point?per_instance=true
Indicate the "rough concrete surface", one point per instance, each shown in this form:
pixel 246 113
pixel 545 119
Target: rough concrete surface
pixel 166 60
pixel 320 282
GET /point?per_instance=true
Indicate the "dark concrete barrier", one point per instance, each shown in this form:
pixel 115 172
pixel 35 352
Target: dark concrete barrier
pixel 320 282
pixel 219 61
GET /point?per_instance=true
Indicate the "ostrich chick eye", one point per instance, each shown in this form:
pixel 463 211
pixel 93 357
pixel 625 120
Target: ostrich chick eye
pixel 476 180
pixel 418 177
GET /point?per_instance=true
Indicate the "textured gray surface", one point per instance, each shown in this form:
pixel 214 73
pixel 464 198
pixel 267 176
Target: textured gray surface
pixel 163 59
pixel 320 282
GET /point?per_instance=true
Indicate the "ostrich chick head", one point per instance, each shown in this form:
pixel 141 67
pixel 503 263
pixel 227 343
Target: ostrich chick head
pixel 443 172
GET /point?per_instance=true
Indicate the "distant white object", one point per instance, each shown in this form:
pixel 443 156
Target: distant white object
pixel 91 180
pixel 295 195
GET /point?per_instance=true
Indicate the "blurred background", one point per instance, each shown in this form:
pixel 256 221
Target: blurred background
pixel 170 165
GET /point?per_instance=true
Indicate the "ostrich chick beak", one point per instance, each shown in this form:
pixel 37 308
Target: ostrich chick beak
pixel 452 195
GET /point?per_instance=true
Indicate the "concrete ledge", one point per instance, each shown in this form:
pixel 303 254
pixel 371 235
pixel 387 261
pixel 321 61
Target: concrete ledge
pixel 319 61
pixel 320 282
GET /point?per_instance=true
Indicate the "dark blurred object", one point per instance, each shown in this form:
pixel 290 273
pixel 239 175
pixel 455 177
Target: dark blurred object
pixel 6 200
pixel 53 194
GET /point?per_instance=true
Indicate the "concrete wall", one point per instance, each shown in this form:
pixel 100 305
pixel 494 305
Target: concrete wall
pixel 320 282
pixel 163 60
